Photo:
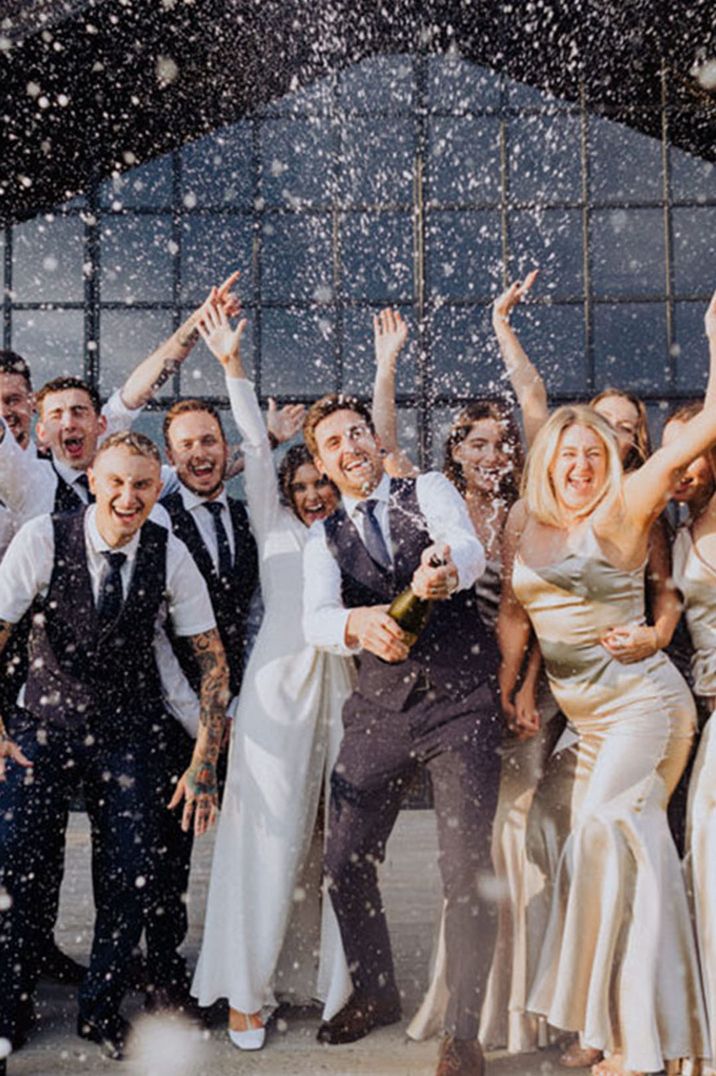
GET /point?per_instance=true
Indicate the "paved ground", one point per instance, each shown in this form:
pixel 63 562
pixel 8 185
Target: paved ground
pixel 411 887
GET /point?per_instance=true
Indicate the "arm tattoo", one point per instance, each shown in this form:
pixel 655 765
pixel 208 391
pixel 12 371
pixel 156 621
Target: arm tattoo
pixel 188 338
pixel 168 370
pixel 210 657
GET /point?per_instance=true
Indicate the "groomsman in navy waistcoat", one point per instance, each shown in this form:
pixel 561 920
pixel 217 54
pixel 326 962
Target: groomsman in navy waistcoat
pixel 428 706
pixel 215 529
pixel 93 713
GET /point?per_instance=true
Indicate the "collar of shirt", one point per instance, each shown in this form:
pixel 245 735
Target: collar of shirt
pixel 380 493
pixel 96 543
pixel 70 474
pixel 192 500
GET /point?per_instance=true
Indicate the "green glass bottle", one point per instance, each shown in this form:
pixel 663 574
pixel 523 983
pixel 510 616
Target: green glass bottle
pixel 411 613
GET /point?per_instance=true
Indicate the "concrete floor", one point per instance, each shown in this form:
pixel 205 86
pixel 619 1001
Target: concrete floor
pixel 166 1048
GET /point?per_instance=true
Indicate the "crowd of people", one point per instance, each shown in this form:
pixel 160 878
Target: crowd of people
pixel 554 567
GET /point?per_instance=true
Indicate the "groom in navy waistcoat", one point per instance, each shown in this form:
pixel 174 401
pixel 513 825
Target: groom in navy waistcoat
pixel 431 705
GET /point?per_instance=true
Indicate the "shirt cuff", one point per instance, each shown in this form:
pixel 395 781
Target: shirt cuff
pixel 116 408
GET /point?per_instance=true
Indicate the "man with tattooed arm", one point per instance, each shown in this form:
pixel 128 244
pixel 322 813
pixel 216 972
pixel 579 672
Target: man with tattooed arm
pixel 92 712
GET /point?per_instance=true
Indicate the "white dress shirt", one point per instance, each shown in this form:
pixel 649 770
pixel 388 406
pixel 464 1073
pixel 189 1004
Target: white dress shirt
pixel 28 484
pixel 26 571
pixel 194 505
pixel 325 617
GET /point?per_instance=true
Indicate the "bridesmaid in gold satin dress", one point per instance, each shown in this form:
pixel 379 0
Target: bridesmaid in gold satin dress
pixel 695 576
pixel 618 963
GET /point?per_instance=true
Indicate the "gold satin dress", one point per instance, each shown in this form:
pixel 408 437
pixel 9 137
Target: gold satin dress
pixel 618 962
pixel 696 580
pixel 504 1020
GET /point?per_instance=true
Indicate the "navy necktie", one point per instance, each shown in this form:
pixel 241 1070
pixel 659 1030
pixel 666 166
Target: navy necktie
pixel 110 594
pixel 222 539
pixel 83 480
pixel 372 534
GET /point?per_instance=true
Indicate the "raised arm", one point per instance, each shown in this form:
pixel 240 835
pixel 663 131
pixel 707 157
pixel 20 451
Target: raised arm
pixel 647 489
pixel 513 625
pixel 262 494
pixel 198 785
pixel 524 376
pixel 146 380
pixel 389 335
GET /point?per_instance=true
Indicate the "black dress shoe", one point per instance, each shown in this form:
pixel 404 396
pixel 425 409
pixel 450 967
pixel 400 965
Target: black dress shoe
pixel 58 967
pixel 111 1035
pixel 358 1017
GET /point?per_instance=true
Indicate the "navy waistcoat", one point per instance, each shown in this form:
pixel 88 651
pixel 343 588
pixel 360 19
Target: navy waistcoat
pixel 80 673
pixel 230 597
pixel 456 651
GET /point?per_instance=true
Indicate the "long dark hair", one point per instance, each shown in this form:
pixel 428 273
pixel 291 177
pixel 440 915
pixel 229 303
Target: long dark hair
pixel 641 448
pixel 295 457
pixel 463 422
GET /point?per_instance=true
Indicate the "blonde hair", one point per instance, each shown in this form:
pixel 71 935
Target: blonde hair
pixel 537 486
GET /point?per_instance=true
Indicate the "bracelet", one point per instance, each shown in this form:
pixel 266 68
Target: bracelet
pixel 273 440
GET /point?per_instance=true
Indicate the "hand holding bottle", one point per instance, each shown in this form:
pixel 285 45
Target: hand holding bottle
pixel 436 579
pixel 372 629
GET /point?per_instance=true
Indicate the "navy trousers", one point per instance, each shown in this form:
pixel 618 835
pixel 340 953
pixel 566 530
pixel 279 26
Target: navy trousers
pixel 121 778
pixel 167 924
pixel 458 742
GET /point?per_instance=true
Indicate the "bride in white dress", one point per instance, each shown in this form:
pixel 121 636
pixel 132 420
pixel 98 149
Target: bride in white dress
pixel 264 922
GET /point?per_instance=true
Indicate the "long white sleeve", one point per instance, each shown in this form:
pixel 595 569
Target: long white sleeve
pixel 449 521
pixel 260 482
pixel 324 615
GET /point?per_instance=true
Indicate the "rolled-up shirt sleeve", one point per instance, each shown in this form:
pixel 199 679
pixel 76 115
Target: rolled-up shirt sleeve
pixel 449 521
pixel 324 615
pixel 190 606
pixel 27 483
pixel 118 416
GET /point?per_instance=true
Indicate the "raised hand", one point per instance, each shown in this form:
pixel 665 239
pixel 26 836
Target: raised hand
pixel 285 423
pixel 504 304
pixel 217 332
pixel 390 332
pixel 436 577
pixel 224 297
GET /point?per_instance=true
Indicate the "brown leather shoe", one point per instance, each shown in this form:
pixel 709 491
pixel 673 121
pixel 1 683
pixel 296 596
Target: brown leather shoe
pixel 358 1017
pixel 460 1057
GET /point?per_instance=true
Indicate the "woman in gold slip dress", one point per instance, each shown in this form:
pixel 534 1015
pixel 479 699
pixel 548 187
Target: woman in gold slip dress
pixel 619 962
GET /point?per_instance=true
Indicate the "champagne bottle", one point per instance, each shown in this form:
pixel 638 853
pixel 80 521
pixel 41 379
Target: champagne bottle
pixel 410 612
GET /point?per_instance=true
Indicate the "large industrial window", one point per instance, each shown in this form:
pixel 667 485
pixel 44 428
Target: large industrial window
pixel 420 181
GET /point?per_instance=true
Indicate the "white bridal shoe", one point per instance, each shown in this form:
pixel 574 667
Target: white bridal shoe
pixel 251 1038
